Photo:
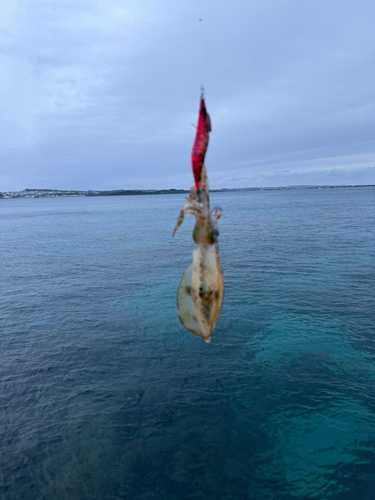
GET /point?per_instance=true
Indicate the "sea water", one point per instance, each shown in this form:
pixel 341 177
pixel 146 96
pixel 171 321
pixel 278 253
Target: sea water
pixel 104 396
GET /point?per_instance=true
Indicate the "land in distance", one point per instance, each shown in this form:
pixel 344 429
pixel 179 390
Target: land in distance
pixel 55 193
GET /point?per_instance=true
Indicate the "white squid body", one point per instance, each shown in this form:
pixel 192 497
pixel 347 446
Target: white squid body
pixel 200 293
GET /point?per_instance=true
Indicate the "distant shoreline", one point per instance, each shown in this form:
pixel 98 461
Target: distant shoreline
pixel 59 193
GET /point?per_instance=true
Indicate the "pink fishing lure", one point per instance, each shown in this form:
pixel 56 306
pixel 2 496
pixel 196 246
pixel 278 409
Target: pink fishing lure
pixel 201 142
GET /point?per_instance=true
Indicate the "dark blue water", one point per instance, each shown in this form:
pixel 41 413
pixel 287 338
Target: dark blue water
pixel 103 396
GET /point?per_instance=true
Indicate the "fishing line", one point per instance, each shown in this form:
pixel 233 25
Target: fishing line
pixel 203 45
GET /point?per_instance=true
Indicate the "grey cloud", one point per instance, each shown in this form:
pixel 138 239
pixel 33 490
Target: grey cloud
pixel 99 95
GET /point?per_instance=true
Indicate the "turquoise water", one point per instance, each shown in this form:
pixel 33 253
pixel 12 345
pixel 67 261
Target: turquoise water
pixel 103 396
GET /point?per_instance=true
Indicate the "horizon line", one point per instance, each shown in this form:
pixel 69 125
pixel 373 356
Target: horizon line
pixel 295 186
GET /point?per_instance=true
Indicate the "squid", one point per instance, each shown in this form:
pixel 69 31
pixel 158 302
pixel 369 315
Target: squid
pixel 201 289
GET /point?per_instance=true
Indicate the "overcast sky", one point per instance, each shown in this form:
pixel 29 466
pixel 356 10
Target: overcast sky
pixel 102 94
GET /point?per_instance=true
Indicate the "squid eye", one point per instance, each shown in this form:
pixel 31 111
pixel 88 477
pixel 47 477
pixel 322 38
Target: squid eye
pixel 215 232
